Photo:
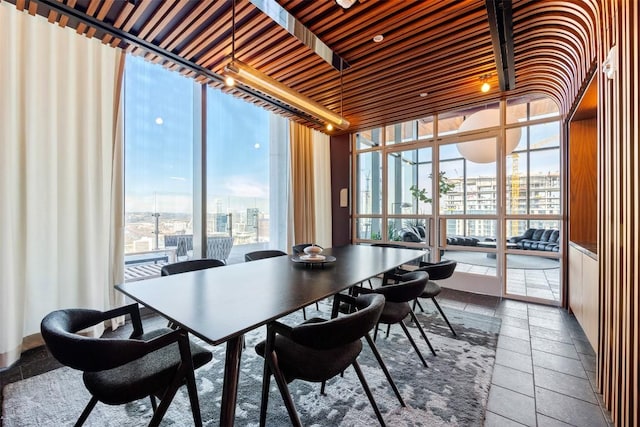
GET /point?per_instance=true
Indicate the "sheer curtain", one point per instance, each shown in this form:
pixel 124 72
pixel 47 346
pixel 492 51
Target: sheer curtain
pixel 311 186
pixel 322 184
pixel 60 175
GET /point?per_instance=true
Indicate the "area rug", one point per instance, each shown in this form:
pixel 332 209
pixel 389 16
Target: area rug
pixel 452 391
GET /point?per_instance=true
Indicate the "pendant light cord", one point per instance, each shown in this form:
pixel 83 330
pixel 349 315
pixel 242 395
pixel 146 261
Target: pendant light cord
pixel 341 86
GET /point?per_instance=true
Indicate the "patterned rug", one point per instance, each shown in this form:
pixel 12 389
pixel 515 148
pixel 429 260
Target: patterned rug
pixel 452 391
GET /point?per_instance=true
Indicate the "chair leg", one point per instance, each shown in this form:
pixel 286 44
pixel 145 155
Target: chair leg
pixel 166 401
pixel 413 343
pixel 376 353
pixel 284 390
pixel 87 410
pixel 266 381
pixel 419 326
pixel 365 386
pixel 154 404
pixel 444 316
pixel 375 331
pixel 388 329
pixel 416 302
pixel 304 313
pixel 322 386
pixel 193 398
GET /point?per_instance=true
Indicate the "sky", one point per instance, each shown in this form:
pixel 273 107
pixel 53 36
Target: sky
pixel 158 142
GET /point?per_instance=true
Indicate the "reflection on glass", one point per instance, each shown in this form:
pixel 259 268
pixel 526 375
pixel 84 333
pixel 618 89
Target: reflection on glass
pixel 369 184
pixel 531 107
pixel 400 132
pixel 542 108
pixel 449 122
pixel 368 139
pixel 545 135
pixel 425 128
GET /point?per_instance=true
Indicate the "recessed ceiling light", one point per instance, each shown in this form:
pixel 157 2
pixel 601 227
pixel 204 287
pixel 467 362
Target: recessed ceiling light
pixel 423 95
pixel 159 120
pixel 378 38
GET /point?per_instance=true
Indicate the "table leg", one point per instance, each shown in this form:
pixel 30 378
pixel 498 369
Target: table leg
pixel 230 384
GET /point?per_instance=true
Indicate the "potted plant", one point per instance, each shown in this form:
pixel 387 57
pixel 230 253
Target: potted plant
pixel 444 185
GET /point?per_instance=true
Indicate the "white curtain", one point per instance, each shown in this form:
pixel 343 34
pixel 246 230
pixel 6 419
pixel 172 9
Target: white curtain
pixel 322 183
pixel 60 175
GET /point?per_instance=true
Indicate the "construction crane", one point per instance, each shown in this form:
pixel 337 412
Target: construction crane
pixel 515 191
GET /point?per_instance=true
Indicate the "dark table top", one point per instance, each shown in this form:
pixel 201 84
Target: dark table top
pixel 223 302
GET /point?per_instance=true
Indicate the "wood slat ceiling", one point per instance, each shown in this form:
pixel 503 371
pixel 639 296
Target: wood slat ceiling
pixel 441 48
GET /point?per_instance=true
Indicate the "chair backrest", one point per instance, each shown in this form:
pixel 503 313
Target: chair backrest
pixel 341 330
pixel 388 245
pixel 256 255
pixel 440 270
pixel 299 248
pixel 219 247
pixel 190 265
pixel 59 329
pixel 410 287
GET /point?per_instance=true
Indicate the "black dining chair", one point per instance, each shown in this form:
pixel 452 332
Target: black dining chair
pixel 397 307
pixel 437 271
pixel 190 265
pixel 267 253
pixel 387 274
pixel 317 350
pixel 121 370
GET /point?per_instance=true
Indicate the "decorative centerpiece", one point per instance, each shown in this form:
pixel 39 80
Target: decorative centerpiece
pixel 313 251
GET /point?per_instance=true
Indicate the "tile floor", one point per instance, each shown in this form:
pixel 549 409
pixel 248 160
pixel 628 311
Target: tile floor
pixel 544 373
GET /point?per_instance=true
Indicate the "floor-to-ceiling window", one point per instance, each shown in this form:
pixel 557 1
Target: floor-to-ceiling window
pixel 158 156
pixel 246 164
pixel 496 209
pixel 199 182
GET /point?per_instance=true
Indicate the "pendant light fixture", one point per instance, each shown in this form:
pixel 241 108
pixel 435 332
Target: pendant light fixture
pixel 484 150
pixel 237 72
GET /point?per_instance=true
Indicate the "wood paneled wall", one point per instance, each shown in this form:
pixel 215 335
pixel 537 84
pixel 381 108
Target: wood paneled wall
pixel 583 178
pixel 619 213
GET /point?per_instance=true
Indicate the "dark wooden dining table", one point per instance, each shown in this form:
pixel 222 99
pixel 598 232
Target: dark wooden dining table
pixel 220 304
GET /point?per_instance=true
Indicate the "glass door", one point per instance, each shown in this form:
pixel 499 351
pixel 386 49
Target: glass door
pixel 468 215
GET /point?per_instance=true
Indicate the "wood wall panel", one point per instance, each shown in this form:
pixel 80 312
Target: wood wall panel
pixel 583 183
pixel 619 214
